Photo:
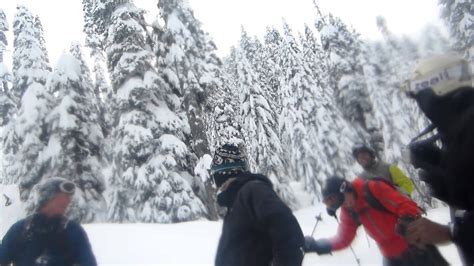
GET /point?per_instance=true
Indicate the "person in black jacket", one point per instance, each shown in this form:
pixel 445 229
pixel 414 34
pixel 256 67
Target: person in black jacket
pixel 442 88
pixel 259 229
pixel 48 238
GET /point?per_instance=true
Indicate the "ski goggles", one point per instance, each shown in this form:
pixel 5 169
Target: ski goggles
pixel 67 187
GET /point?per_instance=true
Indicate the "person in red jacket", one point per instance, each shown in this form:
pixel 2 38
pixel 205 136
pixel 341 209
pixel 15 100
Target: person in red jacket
pixel 378 206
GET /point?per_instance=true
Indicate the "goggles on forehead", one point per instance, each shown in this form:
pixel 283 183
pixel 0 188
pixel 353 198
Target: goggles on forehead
pixel 67 187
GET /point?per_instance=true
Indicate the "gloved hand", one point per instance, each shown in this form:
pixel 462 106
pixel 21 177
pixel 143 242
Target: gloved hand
pixel 321 246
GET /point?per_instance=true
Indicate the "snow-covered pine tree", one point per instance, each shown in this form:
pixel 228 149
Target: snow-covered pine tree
pixel 93 92
pixel 29 59
pixel 3 37
pixel 25 136
pixel 38 26
pixel 432 41
pixel 271 70
pixel 149 168
pixel 259 125
pixel 102 89
pixel 329 135
pixel 29 137
pixel 387 65
pixel 75 138
pixel 292 131
pixel 186 60
pixel 223 126
pixel 346 77
pixel 401 114
pixel 7 107
pixel 458 15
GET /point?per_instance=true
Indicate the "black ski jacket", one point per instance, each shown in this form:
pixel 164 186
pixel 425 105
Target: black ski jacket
pixel 458 158
pixel 38 240
pixel 450 171
pixel 259 229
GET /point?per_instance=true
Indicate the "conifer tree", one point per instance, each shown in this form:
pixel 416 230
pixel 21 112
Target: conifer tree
pixel 187 61
pixel 75 138
pixel 258 125
pixel 346 77
pixel 29 63
pixel 25 137
pixel 94 90
pixel 102 90
pixel 148 182
pixel 458 16
pixel 38 26
pixel 7 107
pixel 328 134
pixel 432 41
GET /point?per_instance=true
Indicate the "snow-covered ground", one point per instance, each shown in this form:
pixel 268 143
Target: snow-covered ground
pixel 194 243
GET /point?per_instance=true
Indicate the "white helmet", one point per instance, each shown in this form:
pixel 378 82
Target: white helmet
pixel 442 73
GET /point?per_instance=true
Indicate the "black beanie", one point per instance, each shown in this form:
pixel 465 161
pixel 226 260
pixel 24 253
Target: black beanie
pixel 336 186
pixel 227 162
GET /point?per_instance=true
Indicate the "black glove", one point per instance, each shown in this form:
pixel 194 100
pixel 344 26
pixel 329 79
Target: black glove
pixel 321 246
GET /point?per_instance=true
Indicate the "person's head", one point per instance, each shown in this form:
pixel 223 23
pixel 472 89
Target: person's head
pixel 364 155
pixel 442 86
pixel 54 196
pixel 337 192
pixel 227 163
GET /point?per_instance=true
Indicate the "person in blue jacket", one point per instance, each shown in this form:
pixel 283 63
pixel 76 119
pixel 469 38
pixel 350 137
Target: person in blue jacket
pixel 47 237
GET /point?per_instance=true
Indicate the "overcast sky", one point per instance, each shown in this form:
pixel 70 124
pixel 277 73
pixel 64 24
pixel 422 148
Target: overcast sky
pixel 62 19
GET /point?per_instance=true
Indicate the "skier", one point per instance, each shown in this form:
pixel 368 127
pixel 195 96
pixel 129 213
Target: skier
pixel 442 86
pixel 375 168
pixel 259 229
pixel 377 205
pixel 48 238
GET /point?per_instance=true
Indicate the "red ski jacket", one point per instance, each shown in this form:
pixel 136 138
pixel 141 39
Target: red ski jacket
pixel 380 225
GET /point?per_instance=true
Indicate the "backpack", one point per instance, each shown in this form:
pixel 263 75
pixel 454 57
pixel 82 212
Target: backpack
pixel 371 199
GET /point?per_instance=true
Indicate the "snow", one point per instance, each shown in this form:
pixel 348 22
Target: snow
pixel 14 211
pixel 203 166
pixel 195 243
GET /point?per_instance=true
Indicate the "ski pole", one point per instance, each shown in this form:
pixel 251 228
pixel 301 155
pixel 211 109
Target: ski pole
pixel 367 237
pixel 318 218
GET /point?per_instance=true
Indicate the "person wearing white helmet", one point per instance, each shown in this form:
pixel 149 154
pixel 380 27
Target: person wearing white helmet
pixel 442 86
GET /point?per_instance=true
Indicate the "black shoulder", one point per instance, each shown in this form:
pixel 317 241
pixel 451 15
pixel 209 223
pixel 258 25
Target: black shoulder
pixel 256 186
pixel 73 228
pixel 18 226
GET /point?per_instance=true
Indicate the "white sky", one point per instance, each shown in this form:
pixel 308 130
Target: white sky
pixel 62 19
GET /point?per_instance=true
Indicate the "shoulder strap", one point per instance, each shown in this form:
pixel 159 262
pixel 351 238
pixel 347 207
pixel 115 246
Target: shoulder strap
pixel 369 196
pixel 354 216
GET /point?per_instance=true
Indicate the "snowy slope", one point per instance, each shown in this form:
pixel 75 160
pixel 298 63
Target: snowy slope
pixel 194 243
